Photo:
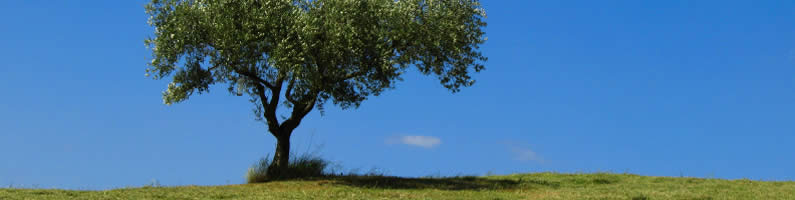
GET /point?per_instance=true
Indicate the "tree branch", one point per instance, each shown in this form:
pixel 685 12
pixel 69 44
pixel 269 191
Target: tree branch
pixel 270 106
pixel 298 113
pixel 288 93
pixel 255 78
pixel 212 68
pixel 353 75
pixel 273 123
pixel 250 75
pixel 275 94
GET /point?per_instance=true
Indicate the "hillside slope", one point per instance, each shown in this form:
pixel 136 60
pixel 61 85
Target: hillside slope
pixel 518 186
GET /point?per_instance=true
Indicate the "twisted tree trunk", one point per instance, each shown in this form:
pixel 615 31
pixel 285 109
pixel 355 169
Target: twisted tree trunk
pixel 282 131
pixel 281 159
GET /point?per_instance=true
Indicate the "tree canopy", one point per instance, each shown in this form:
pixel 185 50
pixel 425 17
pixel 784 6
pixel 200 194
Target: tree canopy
pixel 338 50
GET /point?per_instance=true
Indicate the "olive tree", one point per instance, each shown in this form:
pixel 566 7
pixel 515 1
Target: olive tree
pixel 300 54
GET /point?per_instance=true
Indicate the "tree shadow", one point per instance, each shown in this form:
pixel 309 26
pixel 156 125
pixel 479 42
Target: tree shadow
pixel 449 183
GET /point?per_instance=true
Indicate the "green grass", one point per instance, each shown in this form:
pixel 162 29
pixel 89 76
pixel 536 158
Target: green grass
pixel 518 186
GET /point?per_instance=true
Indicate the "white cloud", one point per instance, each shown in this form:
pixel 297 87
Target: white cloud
pixel 416 140
pixel 792 55
pixel 524 154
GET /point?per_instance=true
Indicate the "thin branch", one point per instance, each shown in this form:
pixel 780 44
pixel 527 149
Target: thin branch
pixel 353 75
pixel 262 97
pixel 273 123
pixel 299 112
pixel 288 93
pixel 245 73
pixel 255 78
pixel 275 94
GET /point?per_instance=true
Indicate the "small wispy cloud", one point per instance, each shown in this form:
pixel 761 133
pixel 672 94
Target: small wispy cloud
pixel 791 55
pixel 416 140
pixel 523 153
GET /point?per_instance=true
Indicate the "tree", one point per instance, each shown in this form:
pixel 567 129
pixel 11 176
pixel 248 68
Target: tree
pixel 310 51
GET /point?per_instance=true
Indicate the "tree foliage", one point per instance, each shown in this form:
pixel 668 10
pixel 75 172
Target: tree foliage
pixel 342 50
pixel 311 51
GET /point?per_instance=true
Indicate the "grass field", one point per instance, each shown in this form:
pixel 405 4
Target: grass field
pixel 518 186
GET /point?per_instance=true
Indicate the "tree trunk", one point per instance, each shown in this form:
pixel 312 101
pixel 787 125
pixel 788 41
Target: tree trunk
pixel 281 159
pixel 279 167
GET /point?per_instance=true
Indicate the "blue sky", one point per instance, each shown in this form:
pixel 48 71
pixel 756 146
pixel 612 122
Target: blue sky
pixel 661 88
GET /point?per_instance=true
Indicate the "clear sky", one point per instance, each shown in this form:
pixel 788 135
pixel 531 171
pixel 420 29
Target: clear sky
pixel 660 88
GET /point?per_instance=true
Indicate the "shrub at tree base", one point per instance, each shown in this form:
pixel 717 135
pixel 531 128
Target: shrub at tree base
pixel 301 167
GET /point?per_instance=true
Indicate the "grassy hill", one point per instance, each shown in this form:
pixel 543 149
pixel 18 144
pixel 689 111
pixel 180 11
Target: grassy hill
pixel 518 186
